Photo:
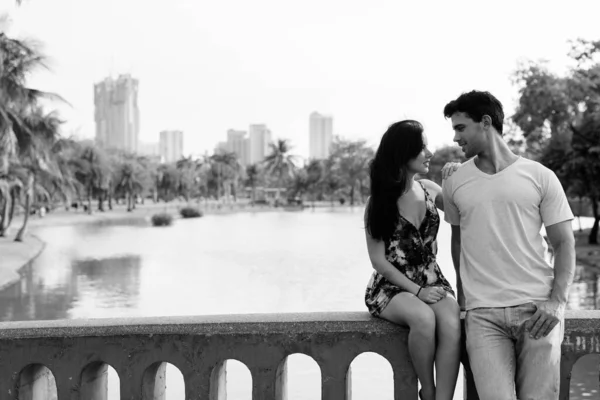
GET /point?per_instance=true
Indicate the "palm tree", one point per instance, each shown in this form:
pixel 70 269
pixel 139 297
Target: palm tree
pixel 92 170
pixel 252 175
pixel 228 170
pixel 64 184
pixel 34 155
pixel 280 163
pixel 188 172
pixel 17 59
pixel 17 102
pixel 10 190
pixel 315 171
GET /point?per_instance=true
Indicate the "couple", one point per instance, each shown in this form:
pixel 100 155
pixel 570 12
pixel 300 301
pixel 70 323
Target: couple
pixel 496 203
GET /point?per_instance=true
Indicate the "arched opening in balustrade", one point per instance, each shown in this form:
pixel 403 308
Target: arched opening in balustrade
pixel 584 378
pixel 302 377
pixel 371 377
pixel 163 381
pixel 99 381
pixel 36 382
pixel 232 380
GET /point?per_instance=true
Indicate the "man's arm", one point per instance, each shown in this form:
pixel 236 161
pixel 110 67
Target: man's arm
pixel 563 242
pixel 455 250
pixel 551 312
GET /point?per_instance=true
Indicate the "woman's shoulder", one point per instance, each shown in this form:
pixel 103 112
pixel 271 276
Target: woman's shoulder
pixel 432 187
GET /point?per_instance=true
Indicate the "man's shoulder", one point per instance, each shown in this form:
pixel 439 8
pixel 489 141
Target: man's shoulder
pixel 464 171
pixel 535 168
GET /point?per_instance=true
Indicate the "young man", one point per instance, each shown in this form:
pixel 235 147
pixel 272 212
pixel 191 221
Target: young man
pixel 514 299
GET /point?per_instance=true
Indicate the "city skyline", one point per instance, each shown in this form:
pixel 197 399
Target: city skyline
pixel 367 77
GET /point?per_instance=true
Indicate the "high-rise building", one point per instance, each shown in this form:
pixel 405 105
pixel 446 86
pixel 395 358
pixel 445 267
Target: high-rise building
pixel 117 114
pixel 171 145
pixel 239 144
pixel 260 137
pixel 148 149
pixel 221 147
pixel 321 136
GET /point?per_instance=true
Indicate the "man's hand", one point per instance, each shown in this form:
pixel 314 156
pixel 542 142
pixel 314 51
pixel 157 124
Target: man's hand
pixel 449 168
pixel 548 315
pixel 431 295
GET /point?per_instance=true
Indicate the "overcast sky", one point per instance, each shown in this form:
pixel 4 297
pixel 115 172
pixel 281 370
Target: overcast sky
pixel 208 66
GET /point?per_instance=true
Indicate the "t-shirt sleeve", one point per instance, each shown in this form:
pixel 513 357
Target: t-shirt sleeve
pixel 451 213
pixel 554 207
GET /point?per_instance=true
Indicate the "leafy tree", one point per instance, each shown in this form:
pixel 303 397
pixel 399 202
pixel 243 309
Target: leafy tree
pixel 350 161
pixel 442 156
pixel 560 115
pixel 227 170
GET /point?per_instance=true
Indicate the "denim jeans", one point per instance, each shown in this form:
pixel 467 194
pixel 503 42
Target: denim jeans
pixel 508 364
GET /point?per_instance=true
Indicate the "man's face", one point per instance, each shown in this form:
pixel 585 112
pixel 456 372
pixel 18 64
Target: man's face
pixel 468 134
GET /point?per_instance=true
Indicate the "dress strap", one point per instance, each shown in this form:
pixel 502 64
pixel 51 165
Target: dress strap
pixel 427 198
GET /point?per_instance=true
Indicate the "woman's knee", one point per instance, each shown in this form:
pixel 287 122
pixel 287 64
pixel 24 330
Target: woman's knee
pixel 448 319
pixel 424 322
pixel 406 309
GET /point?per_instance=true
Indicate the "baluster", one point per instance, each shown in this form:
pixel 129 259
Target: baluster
pixel 336 380
pixel 566 368
pixel 94 382
pixel 68 385
pixel 264 384
pixel 131 379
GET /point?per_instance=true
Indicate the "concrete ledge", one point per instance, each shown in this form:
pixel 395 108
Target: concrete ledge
pixel 581 322
pixel 358 322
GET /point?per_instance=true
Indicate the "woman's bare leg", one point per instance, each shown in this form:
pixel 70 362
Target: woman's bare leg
pixel 447 357
pixel 406 309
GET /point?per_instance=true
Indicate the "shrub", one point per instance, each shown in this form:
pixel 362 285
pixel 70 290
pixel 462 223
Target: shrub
pixel 162 219
pixel 190 212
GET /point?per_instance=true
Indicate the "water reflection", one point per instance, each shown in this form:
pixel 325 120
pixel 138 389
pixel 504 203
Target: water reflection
pixel 112 282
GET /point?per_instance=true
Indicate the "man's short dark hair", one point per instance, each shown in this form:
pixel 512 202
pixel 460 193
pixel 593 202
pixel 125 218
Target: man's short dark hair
pixel 476 104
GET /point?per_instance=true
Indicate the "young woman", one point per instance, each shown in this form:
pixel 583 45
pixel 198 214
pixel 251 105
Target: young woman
pixel 407 286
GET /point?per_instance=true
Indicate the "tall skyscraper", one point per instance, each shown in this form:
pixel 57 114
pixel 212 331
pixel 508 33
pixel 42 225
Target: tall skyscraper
pixel 321 136
pixel 260 137
pixel 239 144
pixel 221 147
pixel 117 114
pixel 171 145
pixel 148 149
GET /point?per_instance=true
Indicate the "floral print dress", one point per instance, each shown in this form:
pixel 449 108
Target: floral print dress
pixel 413 252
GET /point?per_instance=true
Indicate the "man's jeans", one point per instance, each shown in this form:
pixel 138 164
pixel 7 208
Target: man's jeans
pixel 505 360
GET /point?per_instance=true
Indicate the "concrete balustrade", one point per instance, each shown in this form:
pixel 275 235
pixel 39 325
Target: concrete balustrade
pixel 69 359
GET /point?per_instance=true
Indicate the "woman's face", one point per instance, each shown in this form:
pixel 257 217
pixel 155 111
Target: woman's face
pixel 420 164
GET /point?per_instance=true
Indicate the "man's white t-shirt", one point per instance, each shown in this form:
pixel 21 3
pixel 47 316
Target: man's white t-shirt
pixel 503 254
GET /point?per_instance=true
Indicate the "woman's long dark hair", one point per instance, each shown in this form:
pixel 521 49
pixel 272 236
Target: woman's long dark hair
pixel 402 142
